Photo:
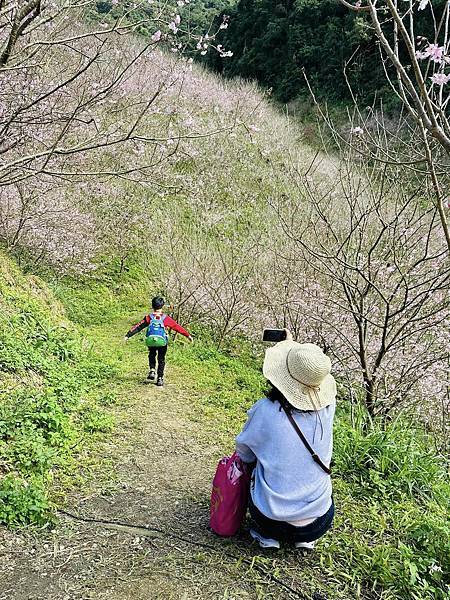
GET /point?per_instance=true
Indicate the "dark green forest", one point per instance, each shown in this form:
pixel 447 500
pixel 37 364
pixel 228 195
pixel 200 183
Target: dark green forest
pixel 280 42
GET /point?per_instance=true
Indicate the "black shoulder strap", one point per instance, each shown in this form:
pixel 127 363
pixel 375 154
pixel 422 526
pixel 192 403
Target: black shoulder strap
pixel 316 457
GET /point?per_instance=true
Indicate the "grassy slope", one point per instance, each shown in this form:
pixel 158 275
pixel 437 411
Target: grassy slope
pixel 52 398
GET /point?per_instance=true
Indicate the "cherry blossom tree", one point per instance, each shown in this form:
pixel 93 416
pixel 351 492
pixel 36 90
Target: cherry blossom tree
pixel 83 103
pixel 209 275
pixel 45 224
pixel 58 83
pixel 370 268
pixel 417 68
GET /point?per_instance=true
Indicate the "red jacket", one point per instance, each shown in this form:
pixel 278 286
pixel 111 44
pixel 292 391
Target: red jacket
pixel 169 323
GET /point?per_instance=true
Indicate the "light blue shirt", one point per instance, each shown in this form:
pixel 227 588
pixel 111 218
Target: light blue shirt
pixel 287 485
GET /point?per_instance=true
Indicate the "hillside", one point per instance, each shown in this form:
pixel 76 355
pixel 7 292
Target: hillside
pixel 51 402
pixel 175 181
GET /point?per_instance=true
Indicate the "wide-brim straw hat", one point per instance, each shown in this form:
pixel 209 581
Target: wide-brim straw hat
pixel 301 372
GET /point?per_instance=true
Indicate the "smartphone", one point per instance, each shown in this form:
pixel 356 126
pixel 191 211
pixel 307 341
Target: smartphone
pixel 274 335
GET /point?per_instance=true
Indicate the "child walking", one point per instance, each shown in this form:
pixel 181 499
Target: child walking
pixel 157 339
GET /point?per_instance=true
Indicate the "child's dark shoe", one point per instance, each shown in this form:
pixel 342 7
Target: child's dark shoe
pixel 151 375
pixel 160 382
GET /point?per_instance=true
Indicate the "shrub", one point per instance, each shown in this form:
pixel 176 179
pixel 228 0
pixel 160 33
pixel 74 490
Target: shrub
pixel 388 461
pixel 23 501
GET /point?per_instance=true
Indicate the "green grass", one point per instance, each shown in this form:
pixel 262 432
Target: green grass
pixel 51 398
pixel 101 299
pixel 224 384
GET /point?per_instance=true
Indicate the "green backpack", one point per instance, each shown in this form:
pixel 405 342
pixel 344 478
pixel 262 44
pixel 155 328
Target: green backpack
pixel 156 335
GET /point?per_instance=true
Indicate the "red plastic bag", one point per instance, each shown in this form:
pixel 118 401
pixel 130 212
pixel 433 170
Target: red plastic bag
pixel 229 496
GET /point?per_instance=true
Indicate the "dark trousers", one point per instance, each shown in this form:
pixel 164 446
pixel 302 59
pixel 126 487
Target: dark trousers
pixel 285 532
pixel 161 351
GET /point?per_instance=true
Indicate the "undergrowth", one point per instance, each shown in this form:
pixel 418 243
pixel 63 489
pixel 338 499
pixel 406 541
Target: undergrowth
pixel 51 398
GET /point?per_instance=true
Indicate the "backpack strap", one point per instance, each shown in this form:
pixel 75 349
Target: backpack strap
pixel 315 457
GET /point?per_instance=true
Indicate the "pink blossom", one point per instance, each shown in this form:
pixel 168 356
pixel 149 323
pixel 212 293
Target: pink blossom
pixel 440 78
pixel 177 19
pixel 173 26
pixel 156 36
pixel 432 51
pixel 357 130
pixel 435 52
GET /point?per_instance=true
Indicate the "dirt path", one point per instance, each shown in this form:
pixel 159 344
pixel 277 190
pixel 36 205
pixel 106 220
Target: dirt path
pixel 163 466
